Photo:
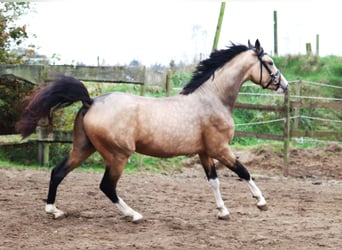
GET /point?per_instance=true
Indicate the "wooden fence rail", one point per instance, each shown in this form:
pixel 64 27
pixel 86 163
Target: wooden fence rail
pixel 41 73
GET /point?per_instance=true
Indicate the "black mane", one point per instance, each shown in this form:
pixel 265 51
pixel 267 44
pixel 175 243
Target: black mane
pixel 206 68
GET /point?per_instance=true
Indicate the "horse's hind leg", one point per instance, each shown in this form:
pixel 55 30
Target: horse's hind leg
pixel 210 171
pixel 58 174
pixel 82 149
pixel 109 182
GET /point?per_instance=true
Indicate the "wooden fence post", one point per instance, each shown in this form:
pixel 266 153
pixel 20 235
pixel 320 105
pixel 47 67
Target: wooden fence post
pixel 275 32
pixel 297 109
pixel 219 24
pixel 43 147
pixel 308 49
pixel 143 86
pixel 169 74
pixel 140 157
pixel 168 83
pixel 286 133
pixel 317 45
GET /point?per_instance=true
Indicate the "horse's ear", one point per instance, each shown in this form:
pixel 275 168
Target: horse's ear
pixel 257 46
pixel 250 46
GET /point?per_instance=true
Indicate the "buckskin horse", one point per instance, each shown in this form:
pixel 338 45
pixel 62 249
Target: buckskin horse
pixel 197 121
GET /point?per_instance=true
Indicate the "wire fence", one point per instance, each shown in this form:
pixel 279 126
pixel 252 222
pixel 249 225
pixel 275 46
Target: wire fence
pixel 303 101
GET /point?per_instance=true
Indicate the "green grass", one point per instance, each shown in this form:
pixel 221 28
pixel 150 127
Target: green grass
pixel 144 163
pixel 21 156
pixel 4 163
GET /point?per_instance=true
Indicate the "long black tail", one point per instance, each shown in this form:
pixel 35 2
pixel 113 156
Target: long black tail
pixel 60 93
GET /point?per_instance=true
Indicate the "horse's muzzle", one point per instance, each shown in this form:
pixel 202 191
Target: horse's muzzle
pixel 282 89
pixel 282 85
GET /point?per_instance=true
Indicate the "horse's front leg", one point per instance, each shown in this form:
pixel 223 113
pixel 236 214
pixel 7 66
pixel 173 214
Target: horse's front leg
pixel 227 158
pixel 214 183
pixel 243 173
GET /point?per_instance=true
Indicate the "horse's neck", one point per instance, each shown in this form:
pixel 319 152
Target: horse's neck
pixel 227 81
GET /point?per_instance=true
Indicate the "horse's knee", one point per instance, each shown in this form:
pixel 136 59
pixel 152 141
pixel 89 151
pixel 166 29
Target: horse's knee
pixel 240 170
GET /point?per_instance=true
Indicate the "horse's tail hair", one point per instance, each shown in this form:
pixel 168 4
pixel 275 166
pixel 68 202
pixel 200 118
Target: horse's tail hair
pixel 60 93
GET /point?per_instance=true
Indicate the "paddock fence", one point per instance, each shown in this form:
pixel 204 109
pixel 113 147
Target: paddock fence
pixel 304 114
pixel 298 113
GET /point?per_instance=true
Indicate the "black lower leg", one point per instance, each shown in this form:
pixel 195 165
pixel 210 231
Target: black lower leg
pixel 57 175
pixel 240 170
pixel 108 187
pixel 210 172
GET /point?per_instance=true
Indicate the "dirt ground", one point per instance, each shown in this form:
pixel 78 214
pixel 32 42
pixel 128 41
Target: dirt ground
pixel 305 208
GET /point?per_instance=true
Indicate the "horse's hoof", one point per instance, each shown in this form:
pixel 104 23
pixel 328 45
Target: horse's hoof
pixel 224 217
pixel 137 218
pixel 59 215
pixel 263 207
pixel 54 212
pixel 223 214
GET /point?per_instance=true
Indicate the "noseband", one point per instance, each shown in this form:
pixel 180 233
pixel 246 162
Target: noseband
pixel 273 76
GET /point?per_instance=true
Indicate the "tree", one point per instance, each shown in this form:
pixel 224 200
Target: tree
pixel 12 35
pixel 12 88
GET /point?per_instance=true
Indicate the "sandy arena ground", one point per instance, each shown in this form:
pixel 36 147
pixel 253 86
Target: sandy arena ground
pixel 305 209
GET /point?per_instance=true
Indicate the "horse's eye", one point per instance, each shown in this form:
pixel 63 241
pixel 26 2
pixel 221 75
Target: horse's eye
pixel 271 63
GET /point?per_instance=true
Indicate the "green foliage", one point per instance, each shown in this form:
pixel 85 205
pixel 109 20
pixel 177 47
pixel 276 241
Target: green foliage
pixel 12 35
pixel 312 68
pixel 125 88
pixel 179 79
pixel 19 154
pixel 12 91
pixel 22 155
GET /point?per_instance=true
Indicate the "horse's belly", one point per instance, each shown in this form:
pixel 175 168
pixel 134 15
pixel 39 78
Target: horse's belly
pixel 161 144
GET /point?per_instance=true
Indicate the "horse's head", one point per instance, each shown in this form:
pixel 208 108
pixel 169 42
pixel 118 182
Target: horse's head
pixel 264 72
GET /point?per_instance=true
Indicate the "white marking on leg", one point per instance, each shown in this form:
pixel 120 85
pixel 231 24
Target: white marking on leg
pixel 257 193
pixel 51 209
pixel 127 211
pixel 215 186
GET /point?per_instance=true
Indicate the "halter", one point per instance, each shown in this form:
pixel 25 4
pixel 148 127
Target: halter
pixel 273 76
